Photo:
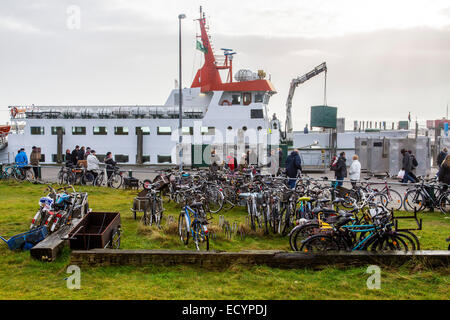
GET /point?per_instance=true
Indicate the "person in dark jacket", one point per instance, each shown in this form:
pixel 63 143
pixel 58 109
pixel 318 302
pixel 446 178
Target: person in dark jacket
pixel 293 165
pixel 444 171
pixel 413 166
pixel 407 167
pixel 341 169
pixel 74 157
pixel 88 152
pixel 441 157
pixel 81 153
pixel 69 162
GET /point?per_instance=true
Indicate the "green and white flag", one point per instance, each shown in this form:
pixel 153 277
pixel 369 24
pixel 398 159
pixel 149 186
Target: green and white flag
pixel 201 47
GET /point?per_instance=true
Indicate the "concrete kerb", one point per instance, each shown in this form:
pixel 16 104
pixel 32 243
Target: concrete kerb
pixel 272 258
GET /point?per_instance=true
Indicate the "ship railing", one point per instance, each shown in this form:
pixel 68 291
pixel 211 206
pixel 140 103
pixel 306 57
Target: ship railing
pixel 127 112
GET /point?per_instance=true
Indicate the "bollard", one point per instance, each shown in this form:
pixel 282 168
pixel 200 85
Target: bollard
pixel 130 173
pixel 39 172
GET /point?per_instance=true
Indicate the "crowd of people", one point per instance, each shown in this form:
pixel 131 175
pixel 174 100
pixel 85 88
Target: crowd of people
pixel 88 158
pixel 81 156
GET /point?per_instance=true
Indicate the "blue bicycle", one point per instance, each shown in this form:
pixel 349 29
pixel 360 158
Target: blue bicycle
pixel 194 222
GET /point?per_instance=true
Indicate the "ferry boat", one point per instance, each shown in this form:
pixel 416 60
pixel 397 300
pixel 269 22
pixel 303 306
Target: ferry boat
pixel 222 114
pixel 4 131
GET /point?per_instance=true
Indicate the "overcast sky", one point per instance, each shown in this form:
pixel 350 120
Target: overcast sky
pixel 385 58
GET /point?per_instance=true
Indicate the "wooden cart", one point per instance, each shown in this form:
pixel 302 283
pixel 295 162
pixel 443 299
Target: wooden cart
pixel 96 230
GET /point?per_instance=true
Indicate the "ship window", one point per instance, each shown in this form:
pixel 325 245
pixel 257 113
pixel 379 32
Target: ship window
pixel 378 144
pixel 164 159
pixel 55 157
pixel 244 128
pixel 145 130
pixel 55 130
pixel 236 99
pixel 37 130
pixel 42 159
pixel 144 159
pixel 78 130
pixel 256 114
pixel 121 131
pixel 100 131
pixel 164 131
pixel 259 128
pixel 247 98
pixel 207 130
pixel 122 158
pixel 259 97
pixel 100 157
pixel 188 131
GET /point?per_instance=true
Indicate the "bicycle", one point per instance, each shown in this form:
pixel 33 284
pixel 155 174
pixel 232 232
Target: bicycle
pixel 115 179
pixel 193 222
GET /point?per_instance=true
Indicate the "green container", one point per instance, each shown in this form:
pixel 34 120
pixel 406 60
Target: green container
pixel 403 125
pixel 323 116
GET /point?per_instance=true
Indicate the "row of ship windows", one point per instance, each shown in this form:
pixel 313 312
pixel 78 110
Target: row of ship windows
pixel 120 158
pixel 124 130
pixel 121 130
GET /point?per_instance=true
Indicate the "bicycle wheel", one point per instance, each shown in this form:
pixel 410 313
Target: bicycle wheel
pixel 380 199
pixel 98 182
pixel 158 211
pixel 444 202
pixel 252 214
pixel 413 200
pixel 395 200
pixel 319 243
pixel 302 233
pixel 409 241
pixel 200 236
pixel 266 214
pixel 388 242
pixel 116 181
pixel 274 218
pixel 287 220
pixel 413 237
pixel 29 175
pixel 88 179
pixel 215 199
pixel 60 177
pixel 146 217
pixel 183 228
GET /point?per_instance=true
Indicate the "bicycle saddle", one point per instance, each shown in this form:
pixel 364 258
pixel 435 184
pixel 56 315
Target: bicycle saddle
pixel 196 205
pixel 322 210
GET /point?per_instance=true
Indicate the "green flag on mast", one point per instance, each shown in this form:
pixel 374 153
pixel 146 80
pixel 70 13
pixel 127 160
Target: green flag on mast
pixel 201 47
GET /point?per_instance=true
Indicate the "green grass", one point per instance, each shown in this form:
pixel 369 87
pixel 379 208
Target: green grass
pixel 24 278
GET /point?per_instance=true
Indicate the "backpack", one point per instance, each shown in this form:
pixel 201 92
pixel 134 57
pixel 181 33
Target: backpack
pixel 414 162
pixel 333 166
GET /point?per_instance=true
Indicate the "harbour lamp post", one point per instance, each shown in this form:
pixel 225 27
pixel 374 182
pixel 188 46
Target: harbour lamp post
pixel 180 94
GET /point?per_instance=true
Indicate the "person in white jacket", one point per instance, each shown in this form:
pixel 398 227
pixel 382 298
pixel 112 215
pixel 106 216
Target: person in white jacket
pixel 355 171
pixel 93 163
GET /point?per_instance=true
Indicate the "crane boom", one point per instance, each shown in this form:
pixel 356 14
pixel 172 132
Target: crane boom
pixel 294 83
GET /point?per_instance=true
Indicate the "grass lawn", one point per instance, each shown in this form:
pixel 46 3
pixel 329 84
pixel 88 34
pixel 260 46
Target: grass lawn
pixel 24 278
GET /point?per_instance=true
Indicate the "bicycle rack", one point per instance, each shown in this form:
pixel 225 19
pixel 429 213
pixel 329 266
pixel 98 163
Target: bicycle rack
pixel 418 221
